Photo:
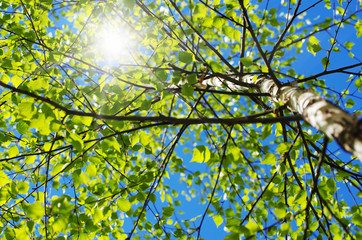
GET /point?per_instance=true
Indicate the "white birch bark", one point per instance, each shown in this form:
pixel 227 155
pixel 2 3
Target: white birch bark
pixel 320 113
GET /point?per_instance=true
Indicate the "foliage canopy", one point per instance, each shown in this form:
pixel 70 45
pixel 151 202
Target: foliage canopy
pixel 122 139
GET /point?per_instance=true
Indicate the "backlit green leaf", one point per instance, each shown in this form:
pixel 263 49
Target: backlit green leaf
pixel 26 109
pixel 300 197
pixel 4 179
pixel 313 40
pixel 350 103
pixel 201 154
pixel 348 45
pixel 331 183
pixel 77 141
pixel 16 80
pixel 185 57
pixel 200 10
pixel 283 147
pixel 41 124
pixel 22 127
pixel 252 227
pixel 34 210
pixel 247 61
pixel 325 62
pixel 269 159
pixel 358 27
pixel 87 121
pixel 60 224
pixel 22 187
pixel 358 82
pixel 123 205
pixel 216 67
pixel 218 220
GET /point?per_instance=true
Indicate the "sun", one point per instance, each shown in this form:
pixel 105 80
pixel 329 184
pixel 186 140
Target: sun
pixel 113 43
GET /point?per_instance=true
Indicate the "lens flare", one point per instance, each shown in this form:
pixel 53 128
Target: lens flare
pixel 113 44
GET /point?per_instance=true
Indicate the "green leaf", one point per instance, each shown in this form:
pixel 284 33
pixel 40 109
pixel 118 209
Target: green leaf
pixel 34 210
pixel 144 138
pixel 232 33
pixel 201 154
pixel 232 236
pixel 26 109
pixel 82 120
pixel 78 177
pixel 16 80
pixel 247 61
pixel 13 151
pixel 60 224
pixel 283 147
pixel 281 211
pixel 76 141
pixel 187 90
pixel 21 234
pixel 185 57
pixel 300 197
pixel 91 170
pixel 4 179
pixel 192 79
pixel 285 228
pixel 313 45
pixel 274 22
pixel 38 84
pixel 272 11
pixel 129 3
pixel 269 158
pixel 9 233
pixel 279 54
pixel 357 219
pixel 350 103
pixel 313 40
pixel 325 61
pixel 348 45
pixel 83 236
pixel 216 67
pixel 200 10
pixel 218 219
pixel 41 124
pixel 6 63
pixel 252 227
pixel 278 129
pixel 331 183
pixel 162 75
pixel 47 3
pixel 22 127
pixel 168 211
pixel 23 187
pixel 5 78
pixel 146 105
pixel 358 26
pixel 207 22
pixel 358 82
pixel 123 205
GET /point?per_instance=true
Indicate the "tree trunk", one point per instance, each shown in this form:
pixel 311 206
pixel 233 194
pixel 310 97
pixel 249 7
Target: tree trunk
pixel 320 113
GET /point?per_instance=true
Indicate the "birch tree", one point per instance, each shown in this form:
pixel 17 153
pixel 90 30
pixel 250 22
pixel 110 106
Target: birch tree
pixel 163 119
